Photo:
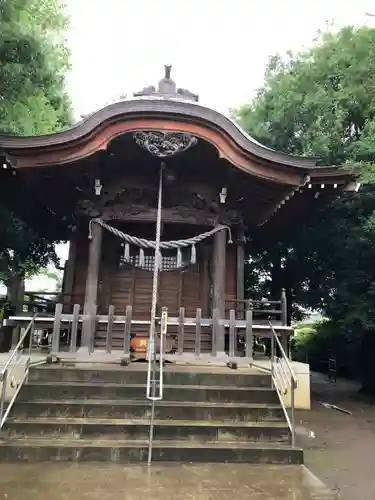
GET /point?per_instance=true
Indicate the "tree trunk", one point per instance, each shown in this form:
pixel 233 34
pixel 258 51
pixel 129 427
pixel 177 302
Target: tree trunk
pixel 15 295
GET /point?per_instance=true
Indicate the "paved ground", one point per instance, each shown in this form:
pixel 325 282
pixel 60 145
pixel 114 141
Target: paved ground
pixel 343 450
pixel 60 481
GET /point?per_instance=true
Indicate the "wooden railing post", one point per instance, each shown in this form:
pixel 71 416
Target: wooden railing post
pixel 198 332
pixel 73 339
pixel 249 333
pixel 232 333
pixel 56 329
pixel 91 327
pixel 215 330
pixel 108 344
pixel 127 329
pixel 181 331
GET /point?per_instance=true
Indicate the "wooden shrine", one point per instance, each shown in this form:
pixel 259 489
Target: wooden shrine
pixel 97 185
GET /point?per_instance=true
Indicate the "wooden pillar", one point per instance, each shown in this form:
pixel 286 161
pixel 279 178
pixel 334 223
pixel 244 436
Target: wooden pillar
pixel 218 286
pixel 92 281
pixel 68 281
pixel 241 274
pixel 205 280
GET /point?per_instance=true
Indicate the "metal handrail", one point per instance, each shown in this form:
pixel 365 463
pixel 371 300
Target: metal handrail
pixel 9 367
pixel 154 387
pixel 281 368
pixel 155 380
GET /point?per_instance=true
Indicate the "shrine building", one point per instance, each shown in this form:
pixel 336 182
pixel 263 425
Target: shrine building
pixel 98 185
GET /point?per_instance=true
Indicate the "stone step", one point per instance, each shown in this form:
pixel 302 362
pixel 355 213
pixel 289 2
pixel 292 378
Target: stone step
pixel 178 410
pixel 173 375
pixel 68 390
pixel 198 431
pixel 43 450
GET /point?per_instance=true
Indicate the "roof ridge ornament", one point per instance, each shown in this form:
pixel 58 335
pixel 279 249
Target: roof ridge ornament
pixel 167 89
pixel 167 69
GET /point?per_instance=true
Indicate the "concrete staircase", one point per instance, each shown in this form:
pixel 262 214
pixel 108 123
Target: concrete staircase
pixel 100 414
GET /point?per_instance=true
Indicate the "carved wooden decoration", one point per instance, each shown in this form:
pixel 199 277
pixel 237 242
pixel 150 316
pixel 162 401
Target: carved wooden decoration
pixel 163 144
pixel 179 205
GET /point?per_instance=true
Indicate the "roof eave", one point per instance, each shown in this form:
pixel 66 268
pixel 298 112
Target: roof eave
pixel 162 108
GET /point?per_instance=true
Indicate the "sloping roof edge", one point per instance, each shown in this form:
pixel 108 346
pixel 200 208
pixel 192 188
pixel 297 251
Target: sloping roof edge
pixel 153 106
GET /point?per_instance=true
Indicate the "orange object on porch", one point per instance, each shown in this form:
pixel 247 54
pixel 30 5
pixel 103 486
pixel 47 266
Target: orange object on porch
pixel 138 344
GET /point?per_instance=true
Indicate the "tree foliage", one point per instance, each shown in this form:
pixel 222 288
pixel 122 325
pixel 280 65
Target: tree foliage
pixel 33 63
pixel 22 250
pixel 321 102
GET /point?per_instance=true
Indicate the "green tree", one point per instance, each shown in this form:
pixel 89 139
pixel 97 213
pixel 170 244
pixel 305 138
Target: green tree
pixel 33 63
pixel 321 102
pixel 23 252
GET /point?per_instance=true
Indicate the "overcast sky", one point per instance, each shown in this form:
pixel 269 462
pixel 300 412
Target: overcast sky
pixel 218 48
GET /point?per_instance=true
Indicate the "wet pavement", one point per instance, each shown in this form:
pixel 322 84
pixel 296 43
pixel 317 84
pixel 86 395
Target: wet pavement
pixel 62 481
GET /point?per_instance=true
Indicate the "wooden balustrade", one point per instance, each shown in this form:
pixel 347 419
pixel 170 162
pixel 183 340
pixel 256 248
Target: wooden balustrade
pixel 111 333
pixel 263 310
